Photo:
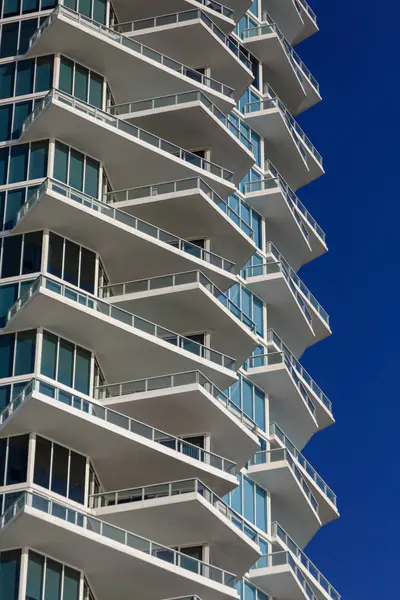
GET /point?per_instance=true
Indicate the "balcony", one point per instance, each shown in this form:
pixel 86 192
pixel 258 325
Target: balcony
pixel 119 144
pixel 295 18
pixel 182 118
pixel 184 404
pixel 286 144
pixel 284 70
pixel 328 510
pixel 186 302
pixel 100 327
pixel 279 575
pixel 193 37
pixel 290 225
pixel 115 234
pixel 114 55
pixel 183 513
pixel 112 440
pixel 292 502
pixel 120 563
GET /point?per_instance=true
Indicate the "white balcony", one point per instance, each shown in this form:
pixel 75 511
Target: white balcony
pixel 295 18
pixel 283 69
pixel 113 440
pixel 119 144
pixel 190 119
pixel 286 144
pixel 115 234
pixel 188 302
pixel 290 226
pixel 193 37
pixel 183 513
pixel 119 563
pixel 190 209
pixel 114 55
pixel 292 502
pixel 97 325
pixel 186 404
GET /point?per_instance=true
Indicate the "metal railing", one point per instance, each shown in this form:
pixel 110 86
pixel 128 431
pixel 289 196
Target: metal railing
pixel 304 6
pixel 138 386
pixel 184 17
pixel 217 7
pixel 176 279
pixel 127 108
pixel 86 522
pixel 137 47
pixel 106 118
pixel 168 490
pixel 280 454
pixel 279 559
pixel 279 533
pixel 126 219
pixel 112 417
pixel 173 187
pixel 122 316
pixel 274 429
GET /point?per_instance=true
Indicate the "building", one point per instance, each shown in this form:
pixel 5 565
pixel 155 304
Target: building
pixel 153 406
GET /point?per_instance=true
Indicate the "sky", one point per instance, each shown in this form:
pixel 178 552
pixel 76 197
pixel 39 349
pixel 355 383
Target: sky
pixel 355 59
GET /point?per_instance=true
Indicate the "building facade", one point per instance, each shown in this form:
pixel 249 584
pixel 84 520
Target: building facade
pixel 153 406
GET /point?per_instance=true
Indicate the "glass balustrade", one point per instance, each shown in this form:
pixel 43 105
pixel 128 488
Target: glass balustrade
pixel 217 7
pixel 280 559
pixel 304 6
pixel 127 424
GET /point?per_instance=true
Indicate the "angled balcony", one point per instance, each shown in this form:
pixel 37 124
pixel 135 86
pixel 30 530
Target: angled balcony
pixel 284 70
pixel 295 18
pixel 286 144
pixel 120 563
pixel 190 209
pixel 328 510
pixel 114 55
pixel 112 440
pixel 193 36
pixel 187 302
pixel 97 325
pixel 293 504
pixel 186 404
pixel 182 513
pixel 114 234
pixel 106 137
pixel 182 118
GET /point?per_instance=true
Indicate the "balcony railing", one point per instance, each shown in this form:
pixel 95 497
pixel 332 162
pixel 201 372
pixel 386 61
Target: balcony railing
pixel 169 490
pixel 178 99
pixel 173 187
pixel 280 454
pixel 166 281
pixel 280 533
pixel 116 534
pixel 124 218
pixel 280 358
pixel 274 429
pixel 107 119
pixel 301 371
pixel 184 17
pixel 117 419
pixel 116 390
pixel 279 559
pixel 145 51
pixel 217 7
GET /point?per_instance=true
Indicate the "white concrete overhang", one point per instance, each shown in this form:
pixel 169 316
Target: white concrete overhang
pixel 238 6
pixel 114 235
pixel 328 510
pixel 295 18
pixel 279 581
pixel 108 52
pixel 132 155
pixel 125 453
pixel 144 349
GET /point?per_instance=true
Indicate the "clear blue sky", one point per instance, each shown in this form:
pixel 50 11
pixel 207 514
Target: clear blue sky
pixel 355 59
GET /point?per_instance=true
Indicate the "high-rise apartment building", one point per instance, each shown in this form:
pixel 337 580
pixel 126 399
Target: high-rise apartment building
pixel 153 406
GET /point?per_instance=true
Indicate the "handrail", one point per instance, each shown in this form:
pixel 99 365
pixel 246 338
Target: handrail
pixel 149 53
pixel 279 559
pixel 115 390
pixel 123 218
pixel 112 417
pixel 217 7
pixel 141 544
pixel 128 319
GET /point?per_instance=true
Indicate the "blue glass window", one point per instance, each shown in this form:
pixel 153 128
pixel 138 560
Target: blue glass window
pixel 5 122
pixel 34 584
pixel 6 354
pixel 32 255
pixel 236 497
pixel 44 73
pixel 99 11
pixel 256 224
pixel 17 461
pixel 25 354
pixel 29 6
pixel 11 8
pixel 259 401
pixel 82 370
pixel 7 75
pixel 9 574
pixel 53 580
pixel 21 112
pixel 65 363
pixel 9 39
pixel 38 160
pixel 249 591
pixel 66 75
pixel 11 264
pixel 247 391
pixel 261 508
pixel 28 28
pixel 25 75
pixel 248 498
pixel 15 199
pixel 92 178
pixel 76 170
pixel 61 162
pixel 81 83
pixel 71 584
pixel 258 315
pixel 49 355
pixel 18 163
pixel 3 165
pixel 256 141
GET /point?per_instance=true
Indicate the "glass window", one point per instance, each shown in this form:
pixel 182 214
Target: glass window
pixel 7 75
pixel 29 6
pixel 41 472
pixel 247 398
pixel 96 89
pixel 25 354
pixel 258 315
pixel 66 75
pixel 5 122
pixel 3 452
pixel 21 111
pixel 65 363
pixel 9 574
pixel 34 581
pixel 4 401
pixel 38 160
pixel 11 8
pixel 88 268
pixel 3 165
pixel 8 295
pixel 85 7
pixel 61 162
pixel 71 584
pixel 52 588
pixel 76 170
pixel 17 459
pixel 82 370
pixel 259 401
pixel 32 256
pixel 99 11
pixel 248 499
pixel 7 342
pixel 11 263
pixel 28 28
pixel 25 74
pixel 9 39
pixel 44 73
pixel 71 263
pixel 81 82
pixel 236 496
pixel 249 591
pixel 261 508
pixel 49 355
pixel 92 178
pixel 18 163
pixel 77 476
pixel 59 472
pixel 15 199
pixel 55 259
